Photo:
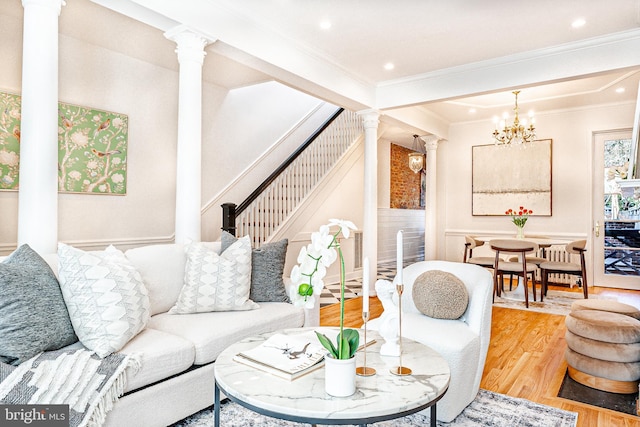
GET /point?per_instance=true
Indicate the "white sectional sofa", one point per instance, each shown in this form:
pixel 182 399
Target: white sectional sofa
pixel 177 351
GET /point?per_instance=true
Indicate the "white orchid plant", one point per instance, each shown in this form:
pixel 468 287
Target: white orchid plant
pixel 307 278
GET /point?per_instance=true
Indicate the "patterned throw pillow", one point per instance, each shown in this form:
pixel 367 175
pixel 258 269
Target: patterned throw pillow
pixel 440 295
pixel 215 282
pixel 267 269
pixel 107 300
pixel 33 316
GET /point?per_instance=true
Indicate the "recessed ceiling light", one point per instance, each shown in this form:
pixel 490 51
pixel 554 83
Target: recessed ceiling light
pixel 620 90
pixel 578 23
pixel 472 110
pixel 325 25
pixel 389 66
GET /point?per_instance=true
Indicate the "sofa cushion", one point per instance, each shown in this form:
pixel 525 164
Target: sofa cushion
pixel 215 282
pixel 447 337
pixel 604 326
pixel 613 352
pixel 213 332
pixel 440 294
pixel 616 371
pixel 33 315
pixel 107 300
pixel 161 355
pixel 267 269
pixel 606 305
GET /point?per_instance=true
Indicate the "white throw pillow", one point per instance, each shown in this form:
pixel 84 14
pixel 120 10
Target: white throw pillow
pixel 107 301
pixel 215 282
pixel 162 269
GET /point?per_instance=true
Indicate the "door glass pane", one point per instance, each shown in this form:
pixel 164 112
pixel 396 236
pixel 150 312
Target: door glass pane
pixel 621 212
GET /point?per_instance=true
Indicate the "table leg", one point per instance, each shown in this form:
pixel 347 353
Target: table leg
pixel 433 415
pixel 216 403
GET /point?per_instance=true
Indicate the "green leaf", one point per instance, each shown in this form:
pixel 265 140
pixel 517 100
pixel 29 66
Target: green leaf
pixel 344 354
pixel 326 343
pixel 353 338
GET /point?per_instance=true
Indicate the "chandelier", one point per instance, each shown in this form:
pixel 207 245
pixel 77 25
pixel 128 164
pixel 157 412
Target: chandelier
pixel 416 159
pixel 518 132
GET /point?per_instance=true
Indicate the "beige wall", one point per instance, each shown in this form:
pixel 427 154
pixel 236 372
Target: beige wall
pixel 101 78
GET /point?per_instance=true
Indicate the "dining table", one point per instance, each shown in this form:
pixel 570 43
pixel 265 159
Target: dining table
pixel 543 243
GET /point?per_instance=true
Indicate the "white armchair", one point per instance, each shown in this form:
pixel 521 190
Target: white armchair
pixel 462 342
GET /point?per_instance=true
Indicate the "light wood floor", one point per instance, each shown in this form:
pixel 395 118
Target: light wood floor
pixel 525 358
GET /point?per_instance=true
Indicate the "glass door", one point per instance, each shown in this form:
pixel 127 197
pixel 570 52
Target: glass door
pixel 616 212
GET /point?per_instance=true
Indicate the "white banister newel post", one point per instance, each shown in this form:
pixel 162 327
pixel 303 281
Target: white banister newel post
pixel 370 120
pixel 38 186
pixel 191 54
pixel 430 233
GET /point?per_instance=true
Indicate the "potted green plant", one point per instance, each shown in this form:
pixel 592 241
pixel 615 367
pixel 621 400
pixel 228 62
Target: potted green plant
pixel 307 277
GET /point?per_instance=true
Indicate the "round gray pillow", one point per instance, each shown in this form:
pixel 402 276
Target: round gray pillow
pixel 440 295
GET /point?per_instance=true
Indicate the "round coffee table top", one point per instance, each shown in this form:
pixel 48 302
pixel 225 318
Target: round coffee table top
pixel 378 397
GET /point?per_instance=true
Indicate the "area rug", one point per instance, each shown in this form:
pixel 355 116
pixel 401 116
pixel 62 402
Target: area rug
pixel 572 390
pixel 488 409
pixel 556 302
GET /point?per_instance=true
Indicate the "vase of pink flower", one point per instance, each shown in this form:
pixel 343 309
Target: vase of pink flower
pixel 519 218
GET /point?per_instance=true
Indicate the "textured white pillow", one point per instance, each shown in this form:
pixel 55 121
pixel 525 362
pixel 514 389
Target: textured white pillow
pixel 215 282
pixel 107 301
pixel 162 270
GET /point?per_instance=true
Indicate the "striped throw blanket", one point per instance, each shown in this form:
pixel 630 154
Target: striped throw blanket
pixel 77 377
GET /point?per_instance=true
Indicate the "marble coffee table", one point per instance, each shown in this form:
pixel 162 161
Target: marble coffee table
pixel 380 397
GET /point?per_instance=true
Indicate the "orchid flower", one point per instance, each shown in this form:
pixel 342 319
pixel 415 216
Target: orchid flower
pixel 313 261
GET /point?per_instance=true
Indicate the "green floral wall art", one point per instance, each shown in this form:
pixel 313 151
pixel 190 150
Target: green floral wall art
pixel 92 148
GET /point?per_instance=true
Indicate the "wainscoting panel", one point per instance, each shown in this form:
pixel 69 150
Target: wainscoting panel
pixel 411 221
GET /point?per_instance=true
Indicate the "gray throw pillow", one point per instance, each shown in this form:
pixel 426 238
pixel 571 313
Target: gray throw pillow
pixel 267 268
pixel 33 315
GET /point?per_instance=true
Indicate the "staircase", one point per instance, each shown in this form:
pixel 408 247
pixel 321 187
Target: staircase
pixel 277 199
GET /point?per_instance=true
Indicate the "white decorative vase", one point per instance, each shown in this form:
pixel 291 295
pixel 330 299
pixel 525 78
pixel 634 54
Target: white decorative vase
pixel 520 234
pixel 339 376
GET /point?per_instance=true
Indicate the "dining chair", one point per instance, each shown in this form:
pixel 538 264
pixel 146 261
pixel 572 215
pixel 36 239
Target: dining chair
pixel 536 260
pixel 516 268
pixel 471 243
pixel 546 268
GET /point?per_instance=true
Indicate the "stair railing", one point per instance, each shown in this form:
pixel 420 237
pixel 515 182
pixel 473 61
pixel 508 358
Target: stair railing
pixel 269 205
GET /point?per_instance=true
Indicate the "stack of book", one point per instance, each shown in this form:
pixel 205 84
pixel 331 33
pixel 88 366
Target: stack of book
pixel 286 356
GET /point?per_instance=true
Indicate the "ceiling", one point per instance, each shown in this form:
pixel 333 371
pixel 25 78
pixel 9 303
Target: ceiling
pixel 432 44
pixel 421 36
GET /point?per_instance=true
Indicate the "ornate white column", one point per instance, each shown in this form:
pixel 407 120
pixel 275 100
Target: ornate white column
pixel 38 186
pixel 430 233
pixel 370 220
pixel 189 170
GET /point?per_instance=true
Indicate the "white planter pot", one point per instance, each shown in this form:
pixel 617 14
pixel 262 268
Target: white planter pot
pixel 339 376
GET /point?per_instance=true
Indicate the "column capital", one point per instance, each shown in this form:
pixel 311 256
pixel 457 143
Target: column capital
pixel 370 118
pixel 55 5
pixel 430 142
pixel 190 43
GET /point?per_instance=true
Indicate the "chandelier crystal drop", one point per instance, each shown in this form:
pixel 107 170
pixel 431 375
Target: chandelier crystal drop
pixel 517 133
pixel 416 159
